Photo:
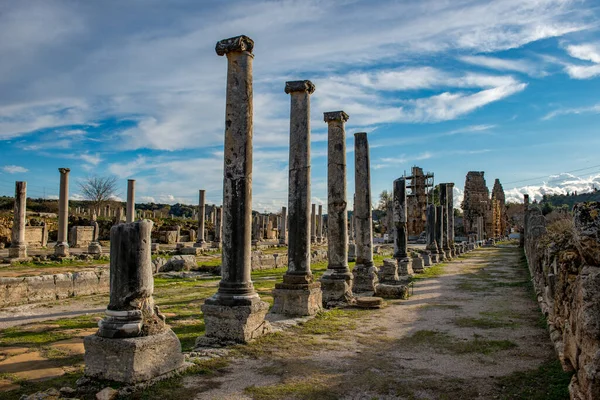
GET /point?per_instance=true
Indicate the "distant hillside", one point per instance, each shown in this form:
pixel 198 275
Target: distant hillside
pixel 571 199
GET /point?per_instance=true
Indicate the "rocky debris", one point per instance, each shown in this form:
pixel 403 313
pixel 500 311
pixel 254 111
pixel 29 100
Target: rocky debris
pixel 179 263
pixel 158 264
pixel 107 393
pixel 50 394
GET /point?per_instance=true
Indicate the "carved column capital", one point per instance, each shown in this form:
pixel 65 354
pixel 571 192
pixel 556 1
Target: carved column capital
pixel 238 43
pixel 335 116
pixel 299 86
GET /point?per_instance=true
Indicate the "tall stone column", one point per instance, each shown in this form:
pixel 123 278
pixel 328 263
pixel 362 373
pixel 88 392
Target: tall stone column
pixel 320 224
pixel 365 273
pixel 401 228
pixel 283 230
pixel 336 282
pixel 298 294
pixel 450 198
pixel 235 312
pixel 431 232
pixel 439 232
pixel 130 216
pixel 313 224
pixel 201 218
pixel 219 226
pixel 445 233
pixel 133 328
pixel 18 246
pixel 62 243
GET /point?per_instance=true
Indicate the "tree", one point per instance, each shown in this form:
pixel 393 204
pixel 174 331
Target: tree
pixel 99 190
pixel 385 199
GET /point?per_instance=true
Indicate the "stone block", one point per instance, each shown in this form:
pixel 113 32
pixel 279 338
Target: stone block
pixel 180 263
pixel 365 278
pixel 40 288
pixel 297 300
pixel 85 283
pixel 132 360
pixel 240 324
pixel 390 291
pixel 405 267
pixel 336 289
pixel 417 265
pixel 194 251
pixel 370 302
pixel 13 291
pixel 63 284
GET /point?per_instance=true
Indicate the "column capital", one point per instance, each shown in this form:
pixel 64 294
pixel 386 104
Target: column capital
pixel 238 43
pixel 299 86
pixel 335 116
pixel 64 170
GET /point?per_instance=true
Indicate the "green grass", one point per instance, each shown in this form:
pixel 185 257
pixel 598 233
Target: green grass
pixel 431 272
pixel 314 387
pixel 547 382
pixel 446 342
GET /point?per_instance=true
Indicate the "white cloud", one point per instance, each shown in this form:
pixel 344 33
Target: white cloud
pixel 14 169
pixel 586 52
pixel 557 184
pixel 595 109
pixel 503 64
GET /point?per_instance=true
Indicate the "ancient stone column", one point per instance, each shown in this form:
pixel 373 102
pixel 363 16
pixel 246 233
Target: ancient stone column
pixel 18 246
pixel 445 234
pixel 219 226
pixel 365 273
pixel 62 244
pixel 283 229
pixel 130 216
pixel 313 224
pixel 94 246
pixel 133 343
pixel 401 228
pixel 431 233
pixel 439 232
pixel 320 224
pixel 336 282
pixel 235 312
pixel 450 199
pixel 298 294
pixel 201 217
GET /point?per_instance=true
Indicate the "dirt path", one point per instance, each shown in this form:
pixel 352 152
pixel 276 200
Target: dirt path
pixel 473 332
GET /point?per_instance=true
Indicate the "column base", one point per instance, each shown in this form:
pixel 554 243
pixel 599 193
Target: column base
pixel 426 259
pixel 234 324
pixel 365 278
pixel 282 242
pixel 94 248
pixel 61 250
pixel 392 291
pixel 17 251
pixel 447 255
pixel 405 267
pixel 216 245
pixel 441 255
pixel 132 360
pixel 434 258
pixel 200 244
pixel 336 288
pixel 297 300
pixel 417 265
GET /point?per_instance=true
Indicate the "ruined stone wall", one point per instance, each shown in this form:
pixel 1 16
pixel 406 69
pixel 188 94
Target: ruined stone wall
pixel 563 256
pixel 32 289
pixel 416 201
pixel 476 203
pixel 36 236
pixel 499 217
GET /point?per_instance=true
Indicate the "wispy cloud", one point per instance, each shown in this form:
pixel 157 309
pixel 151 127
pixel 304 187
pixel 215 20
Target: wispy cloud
pixel 503 64
pixel 595 109
pixel 586 52
pixel 14 169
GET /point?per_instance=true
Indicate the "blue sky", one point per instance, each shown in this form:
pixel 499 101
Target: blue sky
pixel 135 89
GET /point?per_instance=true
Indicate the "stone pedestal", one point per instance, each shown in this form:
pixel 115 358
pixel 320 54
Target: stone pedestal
pixel 18 253
pixel 417 264
pixel 434 258
pixel 297 300
pixel 426 259
pixel 405 269
pixel 94 248
pixel 234 324
pixel 390 284
pixel 337 289
pixel 132 360
pixel 365 278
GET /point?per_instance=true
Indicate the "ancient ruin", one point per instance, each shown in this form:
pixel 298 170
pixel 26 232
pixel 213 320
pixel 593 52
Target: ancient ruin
pixel 236 313
pixel 133 343
pixel 365 273
pixel 61 248
pixel 499 218
pixel 299 294
pixel 417 200
pixel 336 283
